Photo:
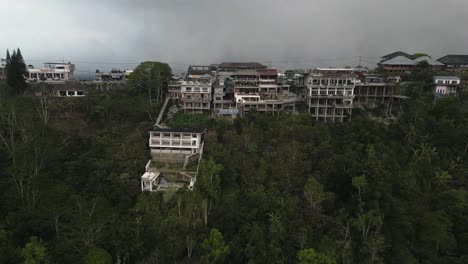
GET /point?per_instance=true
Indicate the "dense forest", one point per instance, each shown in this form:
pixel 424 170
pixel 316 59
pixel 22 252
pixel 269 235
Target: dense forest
pixel 271 189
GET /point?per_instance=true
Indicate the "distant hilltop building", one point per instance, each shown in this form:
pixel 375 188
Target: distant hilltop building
pixel 399 62
pixel 51 72
pixel 455 63
pixel 112 76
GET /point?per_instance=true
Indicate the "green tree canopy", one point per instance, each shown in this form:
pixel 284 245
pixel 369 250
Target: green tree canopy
pixel 215 248
pixel 310 256
pixel 97 256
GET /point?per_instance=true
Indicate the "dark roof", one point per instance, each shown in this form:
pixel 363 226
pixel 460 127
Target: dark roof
pixel 454 60
pixel 200 69
pixel 63 63
pixel 396 54
pixel 268 72
pixel 242 65
pixel 182 130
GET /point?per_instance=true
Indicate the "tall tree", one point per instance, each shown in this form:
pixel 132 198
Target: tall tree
pixel 16 71
pixel 215 248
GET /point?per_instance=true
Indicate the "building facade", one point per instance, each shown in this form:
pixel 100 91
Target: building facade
pixel 51 72
pixel 112 76
pixel 455 63
pixel 331 94
pixel 446 85
pixel 172 152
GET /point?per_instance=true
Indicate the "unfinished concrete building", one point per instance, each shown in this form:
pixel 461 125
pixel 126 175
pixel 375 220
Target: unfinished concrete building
pixel 375 90
pixel 331 93
pixel 195 96
pixel 175 156
pixel 223 93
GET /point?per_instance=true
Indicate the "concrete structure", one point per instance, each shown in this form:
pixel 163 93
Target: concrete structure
pixel 69 89
pixel 236 66
pixel 175 141
pixel 112 76
pixel 175 157
pixel 331 93
pixel 375 90
pixel 51 72
pixel 446 85
pixel 195 96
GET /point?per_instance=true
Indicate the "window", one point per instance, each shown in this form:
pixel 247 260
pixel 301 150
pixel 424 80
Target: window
pixel 80 93
pixel 188 89
pixel 454 82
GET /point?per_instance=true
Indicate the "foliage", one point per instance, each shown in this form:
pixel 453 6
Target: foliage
pixel 310 256
pixel 98 256
pixel 16 71
pixel 181 120
pixel 34 252
pixel 215 248
pixel 270 189
pixel 150 77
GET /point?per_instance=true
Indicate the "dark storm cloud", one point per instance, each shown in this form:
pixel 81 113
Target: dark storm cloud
pixel 294 33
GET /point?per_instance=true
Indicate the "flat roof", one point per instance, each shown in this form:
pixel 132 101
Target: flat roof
pixel 179 130
pixel 447 77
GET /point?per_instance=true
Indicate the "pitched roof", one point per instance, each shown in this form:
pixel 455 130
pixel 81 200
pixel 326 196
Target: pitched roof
pixel 454 60
pixel 396 54
pixel 242 65
pixel 429 60
pixel 268 72
pixel 400 60
pixel 447 78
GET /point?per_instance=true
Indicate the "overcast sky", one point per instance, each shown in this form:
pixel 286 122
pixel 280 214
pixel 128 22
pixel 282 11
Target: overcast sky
pixel 292 33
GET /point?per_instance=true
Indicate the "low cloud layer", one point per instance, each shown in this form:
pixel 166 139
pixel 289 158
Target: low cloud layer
pixel 296 33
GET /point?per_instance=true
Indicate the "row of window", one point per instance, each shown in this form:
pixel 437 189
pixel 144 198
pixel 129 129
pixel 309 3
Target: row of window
pixel 446 82
pixel 196 89
pixel 174 136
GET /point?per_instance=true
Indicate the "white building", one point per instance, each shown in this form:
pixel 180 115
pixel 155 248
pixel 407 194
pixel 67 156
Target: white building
pixel 330 93
pixel 195 96
pixel 69 89
pixel 51 72
pixel 446 85
pixel 177 147
pixel 175 141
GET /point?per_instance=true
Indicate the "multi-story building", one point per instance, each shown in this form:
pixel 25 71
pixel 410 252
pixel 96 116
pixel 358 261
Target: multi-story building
pixel 112 76
pixel 223 94
pixel 455 63
pixel 331 93
pixel 195 92
pixel 195 96
pixel 446 85
pixel 236 66
pixel 51 72
pixel 175 156
pixel 375 90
